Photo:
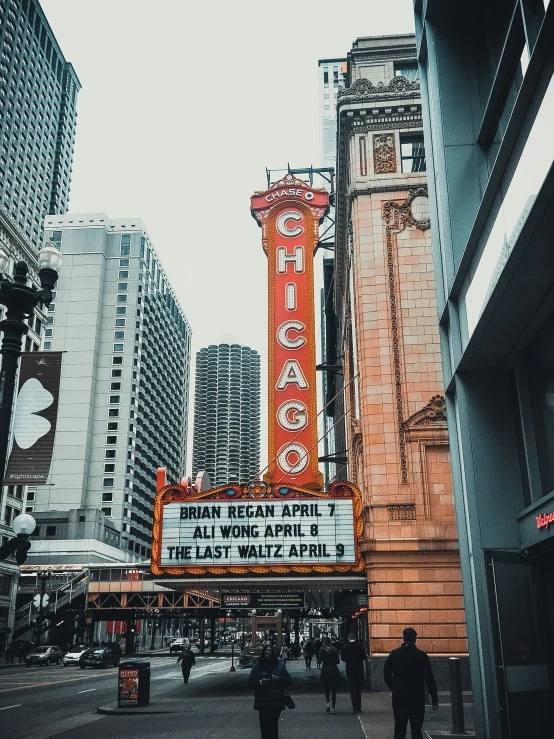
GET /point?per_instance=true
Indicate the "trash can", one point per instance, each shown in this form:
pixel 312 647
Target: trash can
pixel 134 683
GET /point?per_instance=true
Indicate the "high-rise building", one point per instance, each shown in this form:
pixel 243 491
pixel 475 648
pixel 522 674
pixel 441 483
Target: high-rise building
pixel 38 92
pixel 226 441
pixel 396 424
pixel 123 399
pixel 332 75
pixel 488 93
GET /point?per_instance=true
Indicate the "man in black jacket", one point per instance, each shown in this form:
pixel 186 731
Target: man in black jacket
pixel 406 671
pixel 354 656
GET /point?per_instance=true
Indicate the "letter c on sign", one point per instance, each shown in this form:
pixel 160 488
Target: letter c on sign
pixel 284 229
pixel 283 338
pixel 292 415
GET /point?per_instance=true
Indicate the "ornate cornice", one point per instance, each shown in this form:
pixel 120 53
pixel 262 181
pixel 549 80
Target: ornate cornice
pixel 363 89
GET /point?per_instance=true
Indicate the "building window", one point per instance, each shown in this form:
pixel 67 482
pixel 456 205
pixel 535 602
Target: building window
pixel 49 320
pixel 30 496
pixel 109 453
pixel 120 321
pixel 120 299
pixel 406 69
pixel 113 425
pixel 412 153
pixel 123 262
pixel 111 439
pixel 115 386
pixel 118 347
pixel 119 335
pixel 19 492
pixel 109 468
pixel 116 372
pixel 123 274
pixel 47 346
pixel 51 308
pixel 107 512
pixel 48 332
pixel 50 531
pixel 115 399
pixel 107 482
pixel 125 245
pixel 122 285
pixel 121 310
pixel 113 412
pixel 57 239
pixel 117 360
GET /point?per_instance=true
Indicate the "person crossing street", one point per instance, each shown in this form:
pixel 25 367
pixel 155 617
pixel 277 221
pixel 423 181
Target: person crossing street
pixel 187 660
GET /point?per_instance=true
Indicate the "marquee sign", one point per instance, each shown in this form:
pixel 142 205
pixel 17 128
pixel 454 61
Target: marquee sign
pixel 290 213
pixel 238 529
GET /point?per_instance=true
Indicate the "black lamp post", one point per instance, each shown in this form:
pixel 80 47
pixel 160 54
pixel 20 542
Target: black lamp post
pixel 20 300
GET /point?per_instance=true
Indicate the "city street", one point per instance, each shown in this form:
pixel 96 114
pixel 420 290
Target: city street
pixel 62 702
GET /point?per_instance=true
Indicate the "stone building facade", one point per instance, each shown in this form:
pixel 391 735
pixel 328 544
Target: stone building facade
pixel 385 300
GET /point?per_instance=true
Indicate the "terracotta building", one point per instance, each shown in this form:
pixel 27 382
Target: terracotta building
pixel 389 336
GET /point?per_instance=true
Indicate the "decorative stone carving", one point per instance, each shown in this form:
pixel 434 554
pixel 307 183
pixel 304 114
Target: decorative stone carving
pixel 402 512
pixel 398 214
pixel 384 153
pixel 434 413
pixel 363 88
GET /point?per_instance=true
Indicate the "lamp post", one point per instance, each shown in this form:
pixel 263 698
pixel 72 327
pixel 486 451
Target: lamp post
pixel 23 526
pixel 20 300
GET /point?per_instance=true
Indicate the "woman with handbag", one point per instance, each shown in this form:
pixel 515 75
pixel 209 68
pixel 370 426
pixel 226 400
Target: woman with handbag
pixel 269 677
pixel 330 674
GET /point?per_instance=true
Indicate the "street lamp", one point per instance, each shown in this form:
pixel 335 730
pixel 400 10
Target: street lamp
pixel 20 300
pixel 23 526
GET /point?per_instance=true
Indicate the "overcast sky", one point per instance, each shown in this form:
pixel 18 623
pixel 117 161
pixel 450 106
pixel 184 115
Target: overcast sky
pixel 183 106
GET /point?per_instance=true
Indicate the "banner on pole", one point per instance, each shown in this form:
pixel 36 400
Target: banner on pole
pixel 34 426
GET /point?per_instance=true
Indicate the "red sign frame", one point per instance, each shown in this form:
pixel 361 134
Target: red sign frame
pixel 290 213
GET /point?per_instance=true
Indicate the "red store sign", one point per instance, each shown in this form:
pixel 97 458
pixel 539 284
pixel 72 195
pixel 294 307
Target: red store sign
pixel 544 520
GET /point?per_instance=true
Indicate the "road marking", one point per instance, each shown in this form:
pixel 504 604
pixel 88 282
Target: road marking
pixel 14 706
pixel 87 691
pixel 57 729
pixel 360 720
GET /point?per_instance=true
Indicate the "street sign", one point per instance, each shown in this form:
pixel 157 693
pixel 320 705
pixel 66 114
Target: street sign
pixel 263 601
pixel 36 601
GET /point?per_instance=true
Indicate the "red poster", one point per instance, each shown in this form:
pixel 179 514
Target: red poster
pixel 128 687
pixel 290 213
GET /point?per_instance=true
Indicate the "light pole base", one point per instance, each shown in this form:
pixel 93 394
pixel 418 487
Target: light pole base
pixel 233 668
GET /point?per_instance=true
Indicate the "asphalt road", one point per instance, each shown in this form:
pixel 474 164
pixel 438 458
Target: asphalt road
pixel 40 703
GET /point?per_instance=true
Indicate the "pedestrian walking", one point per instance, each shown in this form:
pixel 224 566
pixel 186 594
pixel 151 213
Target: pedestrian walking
pixel 354 656
pixel 329 659
pixel 285 653
pixel 187 660
pixel 308 653
pixel 10 654
pixel 317 646
pixel 407 670
pixel 269 677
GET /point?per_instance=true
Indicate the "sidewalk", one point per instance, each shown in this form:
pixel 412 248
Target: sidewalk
pixel 376 718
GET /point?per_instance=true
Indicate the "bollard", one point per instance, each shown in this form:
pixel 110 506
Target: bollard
pixel 456 697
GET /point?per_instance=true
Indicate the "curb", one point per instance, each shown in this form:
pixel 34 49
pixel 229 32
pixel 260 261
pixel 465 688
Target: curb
pixel 113 709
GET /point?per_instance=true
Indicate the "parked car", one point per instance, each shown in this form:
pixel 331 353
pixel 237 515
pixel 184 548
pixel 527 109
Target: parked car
pixel 47 655
pixel 99 657
pixel 178 644
pixel 73 656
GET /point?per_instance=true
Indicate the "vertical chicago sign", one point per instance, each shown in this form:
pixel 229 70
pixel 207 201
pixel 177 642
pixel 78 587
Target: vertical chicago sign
pixel 287 522
pixel 290 213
